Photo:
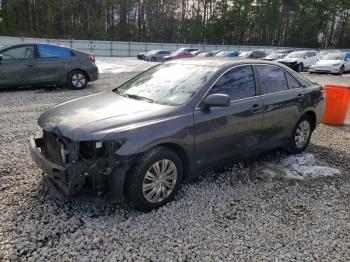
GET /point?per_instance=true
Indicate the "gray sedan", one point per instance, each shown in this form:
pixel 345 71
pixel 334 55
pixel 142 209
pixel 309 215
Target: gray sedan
pixel 172 123
pixel 44 64
pixel 156 55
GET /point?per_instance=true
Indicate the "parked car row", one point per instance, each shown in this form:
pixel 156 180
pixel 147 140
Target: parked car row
pixel 332 61
pixel 164 55
pixel 54 65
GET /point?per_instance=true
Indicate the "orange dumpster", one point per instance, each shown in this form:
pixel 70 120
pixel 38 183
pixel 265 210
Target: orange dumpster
pixel 336 104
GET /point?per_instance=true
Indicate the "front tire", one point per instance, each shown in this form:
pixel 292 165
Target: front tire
pixel 341 70
pixel 77 80
pixel 153 59
pixel 300 68
pixel 154 180
pixel 301 136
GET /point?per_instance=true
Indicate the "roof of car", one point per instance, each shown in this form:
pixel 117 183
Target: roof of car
pixel 26 44
pixel 218 61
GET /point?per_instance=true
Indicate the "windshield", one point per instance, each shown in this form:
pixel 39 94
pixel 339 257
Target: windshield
pixel 296 55
pixel 170 84
pixel 204 54
pixel 275 56
pixel 151 52
pixel 176 53
pixel 245 54
pixel 222 53
pixel 333 56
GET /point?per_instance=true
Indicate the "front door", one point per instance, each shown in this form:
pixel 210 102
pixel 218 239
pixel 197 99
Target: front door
pixel 222 133
pixel 18 66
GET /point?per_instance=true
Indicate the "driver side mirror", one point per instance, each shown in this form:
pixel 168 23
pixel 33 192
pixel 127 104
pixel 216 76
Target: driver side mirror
pixel 1 58
pixel 220 100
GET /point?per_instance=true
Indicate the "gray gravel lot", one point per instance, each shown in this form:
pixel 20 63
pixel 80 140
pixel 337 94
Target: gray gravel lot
pixel 237 213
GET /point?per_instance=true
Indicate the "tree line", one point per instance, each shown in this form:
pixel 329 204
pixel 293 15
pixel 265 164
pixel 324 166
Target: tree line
pixel 295 23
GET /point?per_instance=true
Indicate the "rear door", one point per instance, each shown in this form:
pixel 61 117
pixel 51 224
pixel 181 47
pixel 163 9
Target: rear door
pixel 55 62
pixel 225 132
pixel 19 66
pixel 282 96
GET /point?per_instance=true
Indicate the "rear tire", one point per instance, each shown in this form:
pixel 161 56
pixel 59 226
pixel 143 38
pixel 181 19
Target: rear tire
pixel 77 80
pixel 301 136
pixel 154 180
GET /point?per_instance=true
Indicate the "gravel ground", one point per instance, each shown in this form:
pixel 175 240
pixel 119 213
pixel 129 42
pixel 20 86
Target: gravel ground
pixel 253 210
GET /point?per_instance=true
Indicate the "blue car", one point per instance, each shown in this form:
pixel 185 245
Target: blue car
pixel 227 54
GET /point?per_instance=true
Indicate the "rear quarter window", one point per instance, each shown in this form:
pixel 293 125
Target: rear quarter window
pixel 292 83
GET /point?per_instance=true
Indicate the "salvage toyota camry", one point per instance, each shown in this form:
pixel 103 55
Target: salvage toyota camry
pixel 171 123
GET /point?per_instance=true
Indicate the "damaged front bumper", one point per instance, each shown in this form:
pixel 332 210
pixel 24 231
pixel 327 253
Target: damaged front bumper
pixel 78 175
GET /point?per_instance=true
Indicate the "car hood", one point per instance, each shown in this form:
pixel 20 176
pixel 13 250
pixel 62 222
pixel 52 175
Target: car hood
pixel 97 116
pixel 288 60
pixel 268 59
pixel 329 62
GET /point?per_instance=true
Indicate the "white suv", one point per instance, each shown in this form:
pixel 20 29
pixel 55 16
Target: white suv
pixel 299 60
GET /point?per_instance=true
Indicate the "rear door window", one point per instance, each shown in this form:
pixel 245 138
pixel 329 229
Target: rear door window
pixel 53 51
pixel 238 83
pixel 272 79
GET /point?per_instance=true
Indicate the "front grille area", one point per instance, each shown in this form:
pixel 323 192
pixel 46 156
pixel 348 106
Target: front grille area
pixel 290 64
pixel 52 147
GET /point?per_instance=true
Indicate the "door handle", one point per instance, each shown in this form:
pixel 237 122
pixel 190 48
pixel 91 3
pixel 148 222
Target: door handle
pixel 255 108
pixel 67 62
pixel 30 65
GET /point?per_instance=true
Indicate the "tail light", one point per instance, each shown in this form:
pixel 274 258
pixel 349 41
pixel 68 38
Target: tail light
pixel 91 58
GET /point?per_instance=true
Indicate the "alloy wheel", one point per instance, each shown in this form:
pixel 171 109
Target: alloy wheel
pixel 302 133
pixel 159 181
pixel 78 80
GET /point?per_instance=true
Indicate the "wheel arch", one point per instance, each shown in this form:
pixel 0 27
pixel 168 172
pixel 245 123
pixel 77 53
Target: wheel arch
pixel 313 117
pixel 181 152
pixel 79 69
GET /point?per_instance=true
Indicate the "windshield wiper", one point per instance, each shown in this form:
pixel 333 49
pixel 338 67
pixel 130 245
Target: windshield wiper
pixel 137 97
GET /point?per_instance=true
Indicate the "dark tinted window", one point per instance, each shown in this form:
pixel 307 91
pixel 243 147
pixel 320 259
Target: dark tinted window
pixel 292 83
pixel 53 51
pixel 238 83
pixel 272 79
pixel 21 52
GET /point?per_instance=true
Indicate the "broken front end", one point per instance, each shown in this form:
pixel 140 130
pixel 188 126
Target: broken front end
pixel 81 167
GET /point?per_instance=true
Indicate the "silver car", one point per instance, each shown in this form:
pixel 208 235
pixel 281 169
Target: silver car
pixel 156 55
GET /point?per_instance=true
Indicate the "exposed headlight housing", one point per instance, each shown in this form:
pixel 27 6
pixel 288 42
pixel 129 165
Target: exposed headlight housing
pixel 337 64
pixel 97 149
